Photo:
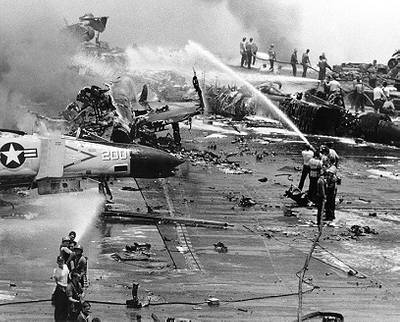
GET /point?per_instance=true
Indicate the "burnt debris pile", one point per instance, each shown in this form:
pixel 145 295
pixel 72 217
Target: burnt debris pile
pixel 208 158
pixel 230 101
pixel 116 113
pixel 93 111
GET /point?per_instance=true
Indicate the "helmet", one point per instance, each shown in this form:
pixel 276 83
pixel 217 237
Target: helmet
pixel 332 170
pixel 324 149
pixel 78 247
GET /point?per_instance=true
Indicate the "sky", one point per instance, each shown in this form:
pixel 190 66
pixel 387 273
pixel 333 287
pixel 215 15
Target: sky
pixel 352 30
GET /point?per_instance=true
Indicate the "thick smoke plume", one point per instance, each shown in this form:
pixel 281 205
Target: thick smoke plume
pixel 270 21
pixel 35 61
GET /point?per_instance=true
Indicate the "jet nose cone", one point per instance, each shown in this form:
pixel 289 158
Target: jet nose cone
pixel 148 162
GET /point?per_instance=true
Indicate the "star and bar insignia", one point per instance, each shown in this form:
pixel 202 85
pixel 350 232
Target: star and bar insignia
pixel 13 155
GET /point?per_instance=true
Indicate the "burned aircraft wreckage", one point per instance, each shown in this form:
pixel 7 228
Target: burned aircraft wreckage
pixel 310 113
pixel 115 114
pixel 334 120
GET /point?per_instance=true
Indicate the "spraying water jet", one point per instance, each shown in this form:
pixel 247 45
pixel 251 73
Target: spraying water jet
pixel 217 62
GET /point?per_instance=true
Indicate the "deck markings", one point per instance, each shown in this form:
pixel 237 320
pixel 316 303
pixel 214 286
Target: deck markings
pixel 185 245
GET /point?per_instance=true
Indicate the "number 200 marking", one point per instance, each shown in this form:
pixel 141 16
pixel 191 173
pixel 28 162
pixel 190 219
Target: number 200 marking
pixel 114 155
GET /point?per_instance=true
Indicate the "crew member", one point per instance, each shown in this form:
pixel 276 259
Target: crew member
pixel 332 155
pixel 272 57
pixel 293 62
pixel 305 61
pixel 386 89
pixel 315 169
pixel 307 156
pixel 323 65
pixel 254 50
pixel 352 95
pixel 324 152
pixel 84 315
pixel 320 199
pixel 331 191
pixel 243 53
pixel 334 85
pixel 59 298
pixel 74 294
pixel 176 134
pixel 359 95
pixel 79 264
pixel 379 98
pixel 388 107
pixel 373 77
pixel 249 52
pixel 72 237
pixel 65 251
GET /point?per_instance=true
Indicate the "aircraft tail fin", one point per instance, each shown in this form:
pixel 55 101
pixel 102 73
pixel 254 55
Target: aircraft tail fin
pixel 51 158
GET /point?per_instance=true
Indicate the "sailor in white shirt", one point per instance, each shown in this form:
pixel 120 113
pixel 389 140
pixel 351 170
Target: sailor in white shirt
pixel 307 156
pixel 379 98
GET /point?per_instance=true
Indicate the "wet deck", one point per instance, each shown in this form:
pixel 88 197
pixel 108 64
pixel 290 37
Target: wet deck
pixel 256 278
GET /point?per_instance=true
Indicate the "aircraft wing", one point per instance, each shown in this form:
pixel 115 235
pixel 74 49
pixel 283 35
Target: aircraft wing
pixel 177 112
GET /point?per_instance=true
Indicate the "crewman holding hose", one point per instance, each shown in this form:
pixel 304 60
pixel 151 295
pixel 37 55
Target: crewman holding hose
pixel 315 171
pixel 323 65
pixel 59 297
pixel 307 155
pixel 75 295
pixel 79 264
pixel 321 198
pixel 331 190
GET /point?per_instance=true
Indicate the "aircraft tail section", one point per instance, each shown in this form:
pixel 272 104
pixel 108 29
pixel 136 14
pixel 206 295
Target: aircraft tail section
pixel 51 158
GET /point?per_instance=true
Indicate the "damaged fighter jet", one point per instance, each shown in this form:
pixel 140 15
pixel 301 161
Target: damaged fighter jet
pixel 58 164
pixel 115 113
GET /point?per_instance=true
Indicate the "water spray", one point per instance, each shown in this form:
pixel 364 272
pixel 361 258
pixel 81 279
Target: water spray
pixel 217 62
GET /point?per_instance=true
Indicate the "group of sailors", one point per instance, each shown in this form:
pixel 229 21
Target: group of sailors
pixel 70 277
pixel 331 90
pixel 248 52
pixel 383 103
pixel 320 165
pixel 249 49
pixel 381 99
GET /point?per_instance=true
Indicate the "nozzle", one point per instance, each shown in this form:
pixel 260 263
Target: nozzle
pixel 148 162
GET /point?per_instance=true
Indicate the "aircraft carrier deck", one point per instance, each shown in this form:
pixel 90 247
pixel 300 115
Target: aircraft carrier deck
pixel 255 280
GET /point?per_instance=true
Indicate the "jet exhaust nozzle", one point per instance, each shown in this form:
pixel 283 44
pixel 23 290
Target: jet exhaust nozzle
pixel 147 162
